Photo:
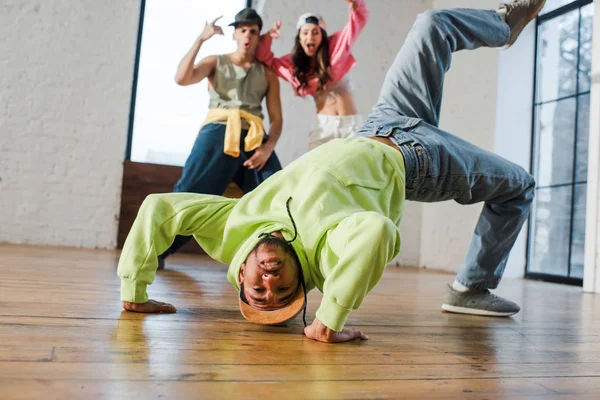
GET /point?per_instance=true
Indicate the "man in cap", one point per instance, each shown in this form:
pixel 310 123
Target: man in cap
pixel 231 145
pixel 329 219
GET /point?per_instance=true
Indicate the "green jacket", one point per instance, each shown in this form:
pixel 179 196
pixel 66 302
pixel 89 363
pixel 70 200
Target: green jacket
pixel 347 201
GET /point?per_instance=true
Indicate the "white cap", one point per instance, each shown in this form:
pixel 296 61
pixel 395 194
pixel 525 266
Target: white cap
pixel 310 16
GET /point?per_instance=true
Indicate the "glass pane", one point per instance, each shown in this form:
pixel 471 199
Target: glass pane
pixel 555 131
pixel 168 116
pixel 552 226
pixel 583 136
pixel 578 244
pixel 557 57
pixel 585 48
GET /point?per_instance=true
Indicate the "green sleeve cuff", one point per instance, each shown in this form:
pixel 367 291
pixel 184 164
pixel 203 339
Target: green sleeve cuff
pixel 133 291
pixel 332 315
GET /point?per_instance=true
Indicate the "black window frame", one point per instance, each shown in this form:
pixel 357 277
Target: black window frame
pixel 568 280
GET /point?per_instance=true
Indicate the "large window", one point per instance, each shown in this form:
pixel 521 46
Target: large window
pixel 167 117
pixel 560 140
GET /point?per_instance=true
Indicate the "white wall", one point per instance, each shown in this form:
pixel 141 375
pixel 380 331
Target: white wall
pixel 513 122
pixel 65 86
pixel 591 278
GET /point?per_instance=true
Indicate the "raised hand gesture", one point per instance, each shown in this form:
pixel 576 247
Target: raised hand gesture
pixel 210 29
pixel 352 4
pixel 274 32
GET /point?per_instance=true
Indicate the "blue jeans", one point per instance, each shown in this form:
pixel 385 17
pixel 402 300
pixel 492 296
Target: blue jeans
pixel 208 170
pixel 440 166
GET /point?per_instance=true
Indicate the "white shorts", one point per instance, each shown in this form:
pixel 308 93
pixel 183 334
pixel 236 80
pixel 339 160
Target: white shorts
pixel 329 127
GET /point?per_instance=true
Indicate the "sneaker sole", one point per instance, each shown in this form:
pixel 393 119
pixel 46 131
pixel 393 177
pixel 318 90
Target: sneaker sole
pixel 475 311
pixel 529 19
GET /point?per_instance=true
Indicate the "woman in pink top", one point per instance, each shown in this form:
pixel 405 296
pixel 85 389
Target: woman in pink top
pixel 318 66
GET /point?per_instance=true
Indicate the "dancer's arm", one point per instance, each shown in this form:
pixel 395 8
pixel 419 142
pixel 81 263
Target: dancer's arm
pixel 187 72
pixel 282 66
pixel 160 218
pixel 262 154
pixel 344 39
pixel 352 259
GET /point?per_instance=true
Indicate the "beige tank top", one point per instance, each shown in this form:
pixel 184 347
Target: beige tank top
pixel 238 87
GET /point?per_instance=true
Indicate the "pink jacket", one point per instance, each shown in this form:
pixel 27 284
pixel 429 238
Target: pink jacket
pixel 340 45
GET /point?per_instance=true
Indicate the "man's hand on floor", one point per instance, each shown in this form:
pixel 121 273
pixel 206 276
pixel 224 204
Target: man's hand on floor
pixel 151 306
pixel 318 331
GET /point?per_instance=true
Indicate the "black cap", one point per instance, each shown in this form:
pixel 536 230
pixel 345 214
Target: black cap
pixel 247 16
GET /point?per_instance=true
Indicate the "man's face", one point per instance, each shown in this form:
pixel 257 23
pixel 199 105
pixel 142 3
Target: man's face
pixel 269 276
pixel 310 38
pixel 247 37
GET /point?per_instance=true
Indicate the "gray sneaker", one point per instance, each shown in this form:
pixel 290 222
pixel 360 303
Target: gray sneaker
pixel 478 302
pixel 518 15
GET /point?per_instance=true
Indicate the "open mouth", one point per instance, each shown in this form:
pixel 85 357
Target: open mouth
pixel 246 45
pixel 311 46
pixel 271 264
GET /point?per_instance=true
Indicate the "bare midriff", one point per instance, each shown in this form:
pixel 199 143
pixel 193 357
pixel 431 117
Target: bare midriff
pixel 336 104
pixel 336 99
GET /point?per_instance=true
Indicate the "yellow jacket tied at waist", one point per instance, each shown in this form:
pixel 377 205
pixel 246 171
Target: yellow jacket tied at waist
pixel 233 130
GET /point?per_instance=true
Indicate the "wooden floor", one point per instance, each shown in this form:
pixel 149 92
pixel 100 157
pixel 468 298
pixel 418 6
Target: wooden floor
pixel 63 335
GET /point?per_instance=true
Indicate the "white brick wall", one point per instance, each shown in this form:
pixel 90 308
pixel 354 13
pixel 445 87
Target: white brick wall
pixel 66 69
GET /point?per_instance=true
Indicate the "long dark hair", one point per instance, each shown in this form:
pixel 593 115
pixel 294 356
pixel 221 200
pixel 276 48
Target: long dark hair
pixel 303 65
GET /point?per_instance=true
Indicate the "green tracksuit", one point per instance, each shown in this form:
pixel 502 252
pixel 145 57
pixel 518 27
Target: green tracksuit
pixel 347 201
